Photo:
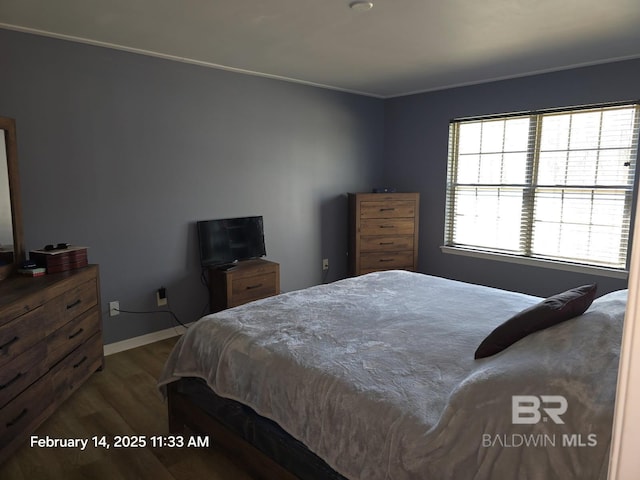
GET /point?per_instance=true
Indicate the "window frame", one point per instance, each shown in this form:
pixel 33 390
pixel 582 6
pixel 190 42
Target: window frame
pixel 529 187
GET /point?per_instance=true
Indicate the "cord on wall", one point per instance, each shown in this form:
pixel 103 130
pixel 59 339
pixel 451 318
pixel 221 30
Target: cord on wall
pixel 175 317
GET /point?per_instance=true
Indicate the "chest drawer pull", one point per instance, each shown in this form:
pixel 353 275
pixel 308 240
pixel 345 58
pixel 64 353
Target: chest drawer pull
pixel 17 419
pixel 10 342
pixel 385 243
pixel 389 209
pixel 386 260
pixel 74 304
pixel 73 335
pixel 82 360
pixel 14 379
pixel 253 287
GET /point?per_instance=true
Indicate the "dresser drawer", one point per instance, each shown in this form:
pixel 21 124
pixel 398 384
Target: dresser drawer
pixel 71 335
pixel 390 209
pixel 21 372
pixel 387 226
pixel 20 334
pixel 72 303
pixel 386 261
pixel 71 372
pixel 246 289
pixel 386 243
pixel 25 412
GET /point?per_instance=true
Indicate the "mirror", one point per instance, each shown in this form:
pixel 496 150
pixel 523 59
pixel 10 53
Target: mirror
pixel 11 241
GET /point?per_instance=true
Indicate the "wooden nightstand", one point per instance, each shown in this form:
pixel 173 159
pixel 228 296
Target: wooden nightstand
pixel 245 282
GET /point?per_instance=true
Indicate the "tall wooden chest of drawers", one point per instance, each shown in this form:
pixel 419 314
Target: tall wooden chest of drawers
pixel 50 343
pixel 383 231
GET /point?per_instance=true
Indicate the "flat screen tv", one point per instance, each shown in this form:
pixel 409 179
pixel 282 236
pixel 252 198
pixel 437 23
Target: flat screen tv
pixel 229 240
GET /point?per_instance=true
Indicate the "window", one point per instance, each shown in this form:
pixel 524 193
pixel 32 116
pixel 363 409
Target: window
pixel 554 185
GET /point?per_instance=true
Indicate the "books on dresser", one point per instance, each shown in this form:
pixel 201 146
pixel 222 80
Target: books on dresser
pixel 32 272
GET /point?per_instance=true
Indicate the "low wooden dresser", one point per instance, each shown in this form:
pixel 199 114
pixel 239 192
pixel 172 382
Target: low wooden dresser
pixel 383 231
pixel 50 343
pixel 246 281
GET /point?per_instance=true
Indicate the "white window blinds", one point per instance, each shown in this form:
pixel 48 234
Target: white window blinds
pixel 555 185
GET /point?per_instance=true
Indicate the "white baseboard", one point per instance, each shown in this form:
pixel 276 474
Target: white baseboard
pixel 142 340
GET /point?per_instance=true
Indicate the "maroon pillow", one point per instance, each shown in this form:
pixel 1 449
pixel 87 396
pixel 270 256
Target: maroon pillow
pixel 545 314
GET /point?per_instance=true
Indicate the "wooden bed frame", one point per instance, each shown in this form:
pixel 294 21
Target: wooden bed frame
pixel 186 416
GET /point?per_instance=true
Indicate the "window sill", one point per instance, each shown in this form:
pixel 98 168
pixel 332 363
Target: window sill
pixel 537 262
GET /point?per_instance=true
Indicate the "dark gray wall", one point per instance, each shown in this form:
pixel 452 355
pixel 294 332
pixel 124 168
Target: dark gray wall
pixel 123 153
pixel 416 135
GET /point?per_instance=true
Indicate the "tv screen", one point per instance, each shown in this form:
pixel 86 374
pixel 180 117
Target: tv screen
pixel 228 240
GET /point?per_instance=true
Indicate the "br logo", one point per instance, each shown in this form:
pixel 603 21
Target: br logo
pixel 525 409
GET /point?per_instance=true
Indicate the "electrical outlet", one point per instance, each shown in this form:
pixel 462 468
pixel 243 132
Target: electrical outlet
pixel 114 308
pixel 161 296
pixel 325 264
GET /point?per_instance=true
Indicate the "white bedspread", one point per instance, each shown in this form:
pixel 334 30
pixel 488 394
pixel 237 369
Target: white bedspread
pixel 376 375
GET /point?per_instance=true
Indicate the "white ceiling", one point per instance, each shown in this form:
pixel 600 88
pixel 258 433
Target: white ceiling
pixel 396 48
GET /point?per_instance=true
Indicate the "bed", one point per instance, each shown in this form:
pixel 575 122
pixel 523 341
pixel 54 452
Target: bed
pixel 374 377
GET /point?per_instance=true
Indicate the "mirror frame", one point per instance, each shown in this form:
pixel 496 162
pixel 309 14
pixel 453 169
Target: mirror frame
pixel 8 126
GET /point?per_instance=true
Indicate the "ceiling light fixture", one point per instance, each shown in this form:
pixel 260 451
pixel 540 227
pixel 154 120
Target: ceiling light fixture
pixel 361 6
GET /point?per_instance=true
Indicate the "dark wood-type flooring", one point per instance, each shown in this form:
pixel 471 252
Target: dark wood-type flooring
pixel 120 400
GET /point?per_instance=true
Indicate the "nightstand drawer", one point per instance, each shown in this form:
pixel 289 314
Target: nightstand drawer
pixel 246 289
pixel 248 280
pixel 252 268
pixel 387 226
pixel 386 261
pixel 391 209
pixel 386 243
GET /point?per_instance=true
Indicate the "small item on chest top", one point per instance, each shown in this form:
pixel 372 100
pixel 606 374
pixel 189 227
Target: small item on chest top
pixel 60 259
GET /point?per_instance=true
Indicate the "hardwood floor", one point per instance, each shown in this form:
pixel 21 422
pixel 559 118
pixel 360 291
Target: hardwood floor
pixel 120 400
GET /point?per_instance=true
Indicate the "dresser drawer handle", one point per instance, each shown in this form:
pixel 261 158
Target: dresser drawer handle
pixel 17 419
pixel 73 335
pixel 13 380
pixel 385 243
pixel 84 359
pixel 9 343
pixel 253 287
pixel 388 209
pixel 74 304
pixel 386 259
pixel 387 226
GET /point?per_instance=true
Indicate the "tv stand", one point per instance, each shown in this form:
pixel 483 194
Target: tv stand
pixel 245 281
